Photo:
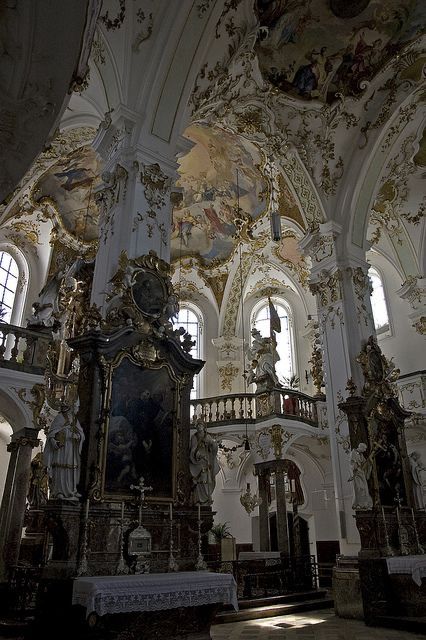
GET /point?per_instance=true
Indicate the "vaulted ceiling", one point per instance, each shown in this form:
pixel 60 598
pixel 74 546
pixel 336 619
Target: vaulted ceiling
pixel 315 107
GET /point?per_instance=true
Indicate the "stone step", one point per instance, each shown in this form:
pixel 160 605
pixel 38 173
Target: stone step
pixel 283 599
pixel 272 610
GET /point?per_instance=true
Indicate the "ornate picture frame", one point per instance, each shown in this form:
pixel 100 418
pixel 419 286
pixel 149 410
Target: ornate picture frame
pixel 139 431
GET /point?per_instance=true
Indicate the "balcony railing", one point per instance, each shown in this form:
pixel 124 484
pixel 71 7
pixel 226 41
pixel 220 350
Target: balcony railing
pixel 250 407
pixel 23 349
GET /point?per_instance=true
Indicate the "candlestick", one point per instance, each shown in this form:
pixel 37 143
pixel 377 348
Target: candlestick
pixel 199 512
pixel 171 511
pixel 87 509
pixel 122 510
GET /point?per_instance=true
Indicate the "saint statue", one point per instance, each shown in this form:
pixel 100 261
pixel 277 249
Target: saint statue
pixel 62 454
pixel 416 466
pixel 203 464
pixel 361 471
pixel 264 356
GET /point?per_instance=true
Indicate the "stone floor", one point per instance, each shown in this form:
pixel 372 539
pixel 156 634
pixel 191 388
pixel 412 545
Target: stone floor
pixel 315 625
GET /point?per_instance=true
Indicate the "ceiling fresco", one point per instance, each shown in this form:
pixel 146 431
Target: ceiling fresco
pixel 206 225
pixel 69 186
pixel 314 49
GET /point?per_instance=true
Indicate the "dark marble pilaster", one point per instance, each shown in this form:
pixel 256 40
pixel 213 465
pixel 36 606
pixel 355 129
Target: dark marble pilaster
pixel 14 497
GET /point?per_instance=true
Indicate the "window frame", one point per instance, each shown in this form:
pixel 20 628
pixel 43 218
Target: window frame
pixel 198 377
pixel 385 330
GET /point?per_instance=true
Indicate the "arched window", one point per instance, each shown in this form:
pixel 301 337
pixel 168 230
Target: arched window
pixel 285 367
pixel 191 320
pixel 9 274
pixel 378 301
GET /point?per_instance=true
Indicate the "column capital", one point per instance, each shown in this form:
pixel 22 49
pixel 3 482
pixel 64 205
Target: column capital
pixel 28 436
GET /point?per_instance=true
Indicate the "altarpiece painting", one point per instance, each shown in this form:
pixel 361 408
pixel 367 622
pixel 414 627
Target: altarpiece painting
pixel 139 437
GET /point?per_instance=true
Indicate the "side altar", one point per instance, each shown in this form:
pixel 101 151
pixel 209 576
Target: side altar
pixel 129 489
pixel 388 507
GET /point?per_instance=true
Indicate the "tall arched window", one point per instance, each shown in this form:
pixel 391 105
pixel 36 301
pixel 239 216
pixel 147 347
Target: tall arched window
pixel 9 274
pixel 191 320
pixel 285 367
pixel 378 301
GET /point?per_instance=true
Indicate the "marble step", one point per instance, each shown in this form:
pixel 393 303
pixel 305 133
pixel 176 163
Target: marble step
pixel 283 599
pixel 271 610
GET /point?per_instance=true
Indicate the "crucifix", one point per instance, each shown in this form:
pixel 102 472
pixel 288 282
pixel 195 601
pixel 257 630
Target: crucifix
pixel 140 488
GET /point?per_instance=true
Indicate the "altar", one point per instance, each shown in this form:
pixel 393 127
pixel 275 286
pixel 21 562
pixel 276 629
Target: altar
pixel 176 605
pixel 411 565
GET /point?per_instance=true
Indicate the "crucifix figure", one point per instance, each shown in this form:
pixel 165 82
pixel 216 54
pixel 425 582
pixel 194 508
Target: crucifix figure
pixel 140 488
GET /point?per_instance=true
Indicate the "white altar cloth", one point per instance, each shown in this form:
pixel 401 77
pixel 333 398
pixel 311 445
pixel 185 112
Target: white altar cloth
pixel 153 591
pixel 414 565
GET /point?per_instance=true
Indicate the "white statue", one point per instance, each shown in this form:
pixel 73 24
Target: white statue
pixel 62 454
pixel 264 356
pixel 203 464
pixel 416 466
pixel 361 471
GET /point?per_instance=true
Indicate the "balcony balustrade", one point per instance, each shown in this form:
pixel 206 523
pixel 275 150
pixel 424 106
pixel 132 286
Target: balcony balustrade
pixel 23 349
pixel 252 407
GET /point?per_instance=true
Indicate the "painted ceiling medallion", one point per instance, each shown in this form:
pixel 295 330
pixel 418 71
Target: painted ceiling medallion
pixel 348 8
pixel 206 223
pixel 314 49
pixel 69 187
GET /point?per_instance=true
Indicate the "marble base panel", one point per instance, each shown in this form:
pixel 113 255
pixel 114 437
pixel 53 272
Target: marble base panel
pixel 347 592
pixel 389 595
pixel 186 623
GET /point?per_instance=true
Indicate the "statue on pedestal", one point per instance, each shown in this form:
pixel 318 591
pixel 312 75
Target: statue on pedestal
pixel 62 455
pixel 361 470
pixel 417 466
pixel 264 356
pixel 203 464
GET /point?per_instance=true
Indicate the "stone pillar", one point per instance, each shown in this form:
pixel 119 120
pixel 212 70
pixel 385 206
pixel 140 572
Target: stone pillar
pixel 135 202
pixel 282 524
pixel 14 498
pixel 341 285
pixel 263 480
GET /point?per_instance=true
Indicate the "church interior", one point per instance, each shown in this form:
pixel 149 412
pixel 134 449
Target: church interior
pixel 212 315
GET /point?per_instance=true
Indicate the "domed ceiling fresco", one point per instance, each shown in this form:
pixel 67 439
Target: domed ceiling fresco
pixel 206 224
pixel 314 49
pixel 69 187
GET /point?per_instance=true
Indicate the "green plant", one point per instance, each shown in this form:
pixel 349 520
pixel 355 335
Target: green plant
pixel 220 531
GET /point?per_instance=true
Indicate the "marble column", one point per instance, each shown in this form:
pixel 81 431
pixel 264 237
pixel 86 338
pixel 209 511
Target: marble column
pixel 339 281
pixel 263 480
pixel 282 524
pixel 14 497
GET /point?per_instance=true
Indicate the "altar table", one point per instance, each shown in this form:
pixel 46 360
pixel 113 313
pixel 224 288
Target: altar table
pixel 413 565
pixel 153 591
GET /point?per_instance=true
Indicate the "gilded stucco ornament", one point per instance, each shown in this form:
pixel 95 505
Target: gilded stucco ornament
pixel 380 374
pixel 316 362
pixel 227 374
pixel 36 404
pixel 362 289
pixel 141 295
pixel 111 194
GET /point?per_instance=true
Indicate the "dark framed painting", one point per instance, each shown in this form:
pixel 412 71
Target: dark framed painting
pixel 140 434
pixel 149 293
